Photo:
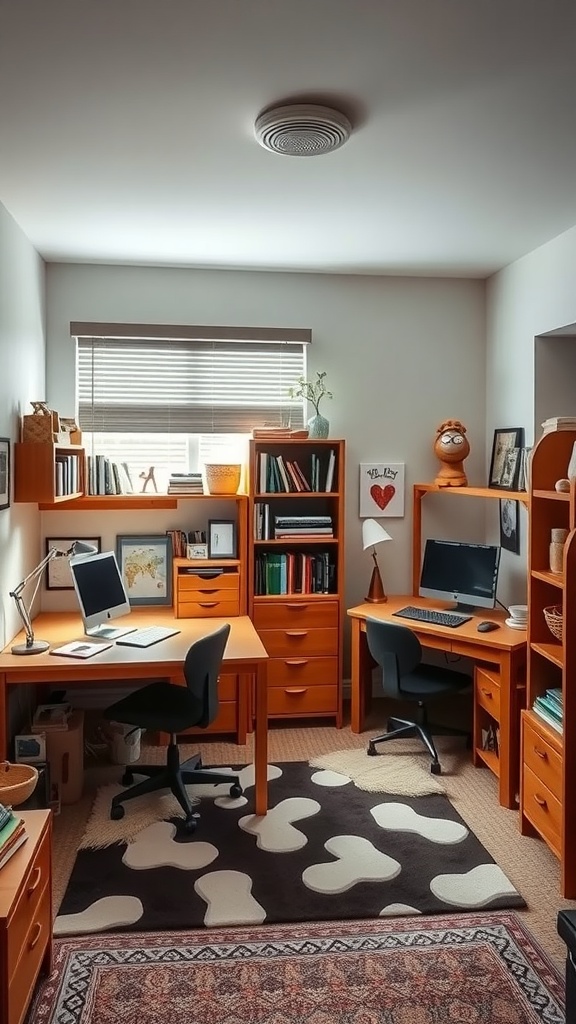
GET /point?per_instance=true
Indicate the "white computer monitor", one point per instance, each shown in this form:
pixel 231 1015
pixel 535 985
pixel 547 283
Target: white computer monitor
pixel 101 594
pixel 461 572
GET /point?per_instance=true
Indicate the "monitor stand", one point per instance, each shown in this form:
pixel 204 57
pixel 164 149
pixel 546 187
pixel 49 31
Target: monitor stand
pixel 109 632
pixel 469 609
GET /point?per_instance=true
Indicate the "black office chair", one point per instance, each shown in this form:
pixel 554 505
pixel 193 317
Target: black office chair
pixel 399 653
pixel 172 709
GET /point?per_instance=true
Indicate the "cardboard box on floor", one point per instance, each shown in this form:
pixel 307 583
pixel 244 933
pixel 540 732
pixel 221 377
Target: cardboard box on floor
pixel 65 755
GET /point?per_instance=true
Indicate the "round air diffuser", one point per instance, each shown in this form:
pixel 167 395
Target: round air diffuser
pixel 302 130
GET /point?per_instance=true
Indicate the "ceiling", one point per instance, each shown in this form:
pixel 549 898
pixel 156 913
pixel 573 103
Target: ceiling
pixel 126 131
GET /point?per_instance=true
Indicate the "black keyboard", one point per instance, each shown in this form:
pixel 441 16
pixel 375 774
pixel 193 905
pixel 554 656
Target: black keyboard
pixel 431 615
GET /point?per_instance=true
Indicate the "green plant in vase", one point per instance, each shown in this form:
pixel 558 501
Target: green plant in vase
pixel 313 391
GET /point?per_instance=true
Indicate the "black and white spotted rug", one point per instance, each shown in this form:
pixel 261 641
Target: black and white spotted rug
pixel 326 850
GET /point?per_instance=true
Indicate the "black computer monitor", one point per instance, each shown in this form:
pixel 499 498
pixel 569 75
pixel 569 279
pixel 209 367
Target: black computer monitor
pixel 101 594
pixel 461 572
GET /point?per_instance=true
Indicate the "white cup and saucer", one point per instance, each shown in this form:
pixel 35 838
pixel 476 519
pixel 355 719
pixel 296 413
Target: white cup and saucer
pixel 518 616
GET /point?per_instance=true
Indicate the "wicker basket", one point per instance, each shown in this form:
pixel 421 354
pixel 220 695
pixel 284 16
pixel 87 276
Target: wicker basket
pixel 17 783
pixel 223 478
pixel 554 620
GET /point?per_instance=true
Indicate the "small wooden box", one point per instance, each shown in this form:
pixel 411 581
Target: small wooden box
pixel 41 427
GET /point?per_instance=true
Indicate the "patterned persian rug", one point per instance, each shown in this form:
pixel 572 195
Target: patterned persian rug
pixel 478 969
pixel 326 850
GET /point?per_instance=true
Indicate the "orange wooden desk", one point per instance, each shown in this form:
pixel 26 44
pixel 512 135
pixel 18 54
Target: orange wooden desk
pixel 503 650
pixel 245 653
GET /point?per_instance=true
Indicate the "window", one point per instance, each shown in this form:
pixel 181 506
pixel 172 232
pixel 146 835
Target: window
pixel 177 397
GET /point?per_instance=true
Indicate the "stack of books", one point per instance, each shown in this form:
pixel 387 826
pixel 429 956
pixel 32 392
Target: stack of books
pixel 559 423
pixel 12 834
pixel 302 526
pixel 550 708
pixel 185 483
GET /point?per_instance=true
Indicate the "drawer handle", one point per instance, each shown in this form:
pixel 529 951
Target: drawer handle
pixel 296 632
pixel 208 604
pixel 296 607
pixel 541 753
pixel 38 929
pixel 297 662
pixel 207 590
pixel 487 693
pixel 36 882
pixel 540 800
pixel 296 689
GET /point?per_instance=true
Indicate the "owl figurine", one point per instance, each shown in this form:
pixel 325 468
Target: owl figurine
pixel 451 447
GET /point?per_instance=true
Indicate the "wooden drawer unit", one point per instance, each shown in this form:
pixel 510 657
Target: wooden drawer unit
pixel 25 917
pixel 542 809
pixel 302 672
pixel 299 614
pixel 201 592
pixel 300 642
pixel 543 760
pixel 487 691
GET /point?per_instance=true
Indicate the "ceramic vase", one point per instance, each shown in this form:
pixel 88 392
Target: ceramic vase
pixel 318 426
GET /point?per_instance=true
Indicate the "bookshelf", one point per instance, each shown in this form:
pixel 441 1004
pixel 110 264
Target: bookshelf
pixel 296 571
pixel 548 753
pixel 48 472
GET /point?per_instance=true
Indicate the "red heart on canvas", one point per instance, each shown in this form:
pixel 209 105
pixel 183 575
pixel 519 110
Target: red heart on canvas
pixel 382 495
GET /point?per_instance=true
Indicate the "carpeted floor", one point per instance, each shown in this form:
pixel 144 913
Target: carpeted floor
pixel 477 969
pixel 325 850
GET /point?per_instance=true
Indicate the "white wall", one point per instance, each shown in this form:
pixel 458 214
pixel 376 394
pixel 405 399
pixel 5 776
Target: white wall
pixel 531 297
pixel 401 355
pixel 22 379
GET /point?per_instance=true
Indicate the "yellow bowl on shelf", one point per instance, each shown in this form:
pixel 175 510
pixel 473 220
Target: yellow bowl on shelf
pixel 223 478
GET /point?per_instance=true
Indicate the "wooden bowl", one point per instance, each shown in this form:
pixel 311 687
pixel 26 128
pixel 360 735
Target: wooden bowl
pixel 17 783
pixel 554 620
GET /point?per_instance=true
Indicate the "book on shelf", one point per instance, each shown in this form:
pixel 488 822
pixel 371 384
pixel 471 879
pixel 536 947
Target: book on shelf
pixel 185 483
pixel 12 836
pixel 330 470
pixel 543 713
pixel 559 423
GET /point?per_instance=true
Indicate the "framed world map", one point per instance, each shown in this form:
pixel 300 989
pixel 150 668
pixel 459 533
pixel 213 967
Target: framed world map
pixel 146 568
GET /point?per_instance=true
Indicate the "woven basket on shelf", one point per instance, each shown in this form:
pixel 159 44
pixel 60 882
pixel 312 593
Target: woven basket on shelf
pixel 17 783
pixel 554 620
pixel 223 478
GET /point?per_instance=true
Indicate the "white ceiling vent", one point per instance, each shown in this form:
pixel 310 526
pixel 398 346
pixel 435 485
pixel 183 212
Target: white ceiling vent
pixel 302 130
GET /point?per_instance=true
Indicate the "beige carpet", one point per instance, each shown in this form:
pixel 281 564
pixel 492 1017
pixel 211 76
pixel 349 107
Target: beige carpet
pixel 389 772
pixel 528 862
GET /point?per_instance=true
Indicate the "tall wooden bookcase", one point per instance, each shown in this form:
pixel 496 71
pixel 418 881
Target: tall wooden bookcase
pixel 548 756
pixel 296 584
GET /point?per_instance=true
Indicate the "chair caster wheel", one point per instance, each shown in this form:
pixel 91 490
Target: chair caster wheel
pixel 128 777
pixel 435 768
pixel 236 789
pixel 117 812
pixel 372 752
pixel 190 824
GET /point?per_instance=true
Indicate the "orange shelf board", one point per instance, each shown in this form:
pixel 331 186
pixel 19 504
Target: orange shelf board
pixel 552 652
pixel 473 492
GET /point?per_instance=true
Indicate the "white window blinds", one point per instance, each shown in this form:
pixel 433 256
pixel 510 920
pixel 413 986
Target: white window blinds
pixel 194 384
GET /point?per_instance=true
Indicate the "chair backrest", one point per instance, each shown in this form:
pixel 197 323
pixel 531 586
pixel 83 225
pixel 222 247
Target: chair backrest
pixel 396 649
pixel 202 668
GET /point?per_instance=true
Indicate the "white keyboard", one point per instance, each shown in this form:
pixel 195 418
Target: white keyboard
pixel 148 636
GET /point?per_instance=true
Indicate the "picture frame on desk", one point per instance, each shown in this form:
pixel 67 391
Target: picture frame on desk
pixel 30 748
pixel 510 525
pixel 4 472
pixel 145 564
pixel 505 459
pixel 58 576
pixel 222 538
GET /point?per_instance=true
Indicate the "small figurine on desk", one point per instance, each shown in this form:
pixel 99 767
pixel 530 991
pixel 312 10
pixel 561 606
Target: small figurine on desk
pixel 148 478
pixel 451 446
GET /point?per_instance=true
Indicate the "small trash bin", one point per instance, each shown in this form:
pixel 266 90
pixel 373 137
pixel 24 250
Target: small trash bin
pixel 125 743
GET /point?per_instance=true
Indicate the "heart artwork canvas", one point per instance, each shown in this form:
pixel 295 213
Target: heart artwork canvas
pixel 381 489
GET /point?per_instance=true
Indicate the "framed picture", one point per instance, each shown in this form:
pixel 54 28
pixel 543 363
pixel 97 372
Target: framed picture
pixel 509 525
pixel 4 472
pixel 30 749
pixel 58 575
pixel 381 489
pixel 196 551
pixel 504 464
pixel 221 538
pixel 146 568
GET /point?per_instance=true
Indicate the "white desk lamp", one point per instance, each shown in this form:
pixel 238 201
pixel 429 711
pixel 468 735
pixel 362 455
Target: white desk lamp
pixel 373 534
pixel 33 646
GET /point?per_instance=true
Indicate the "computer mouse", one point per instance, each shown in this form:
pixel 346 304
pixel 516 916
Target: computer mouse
pixel 487 627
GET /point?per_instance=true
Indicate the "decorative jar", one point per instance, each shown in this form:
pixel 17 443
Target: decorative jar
pixel 557 541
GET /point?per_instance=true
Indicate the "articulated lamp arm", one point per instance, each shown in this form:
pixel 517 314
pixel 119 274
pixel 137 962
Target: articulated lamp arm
pixel 19 601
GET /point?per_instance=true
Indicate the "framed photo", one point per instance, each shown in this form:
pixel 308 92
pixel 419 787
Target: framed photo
pixel 381 489
pixel 30 749
pixel 4 472
pixel 221 538
pixel 58 575
pixel 509 525
pixel 504 464
pixel 196 551
pixel 146 568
